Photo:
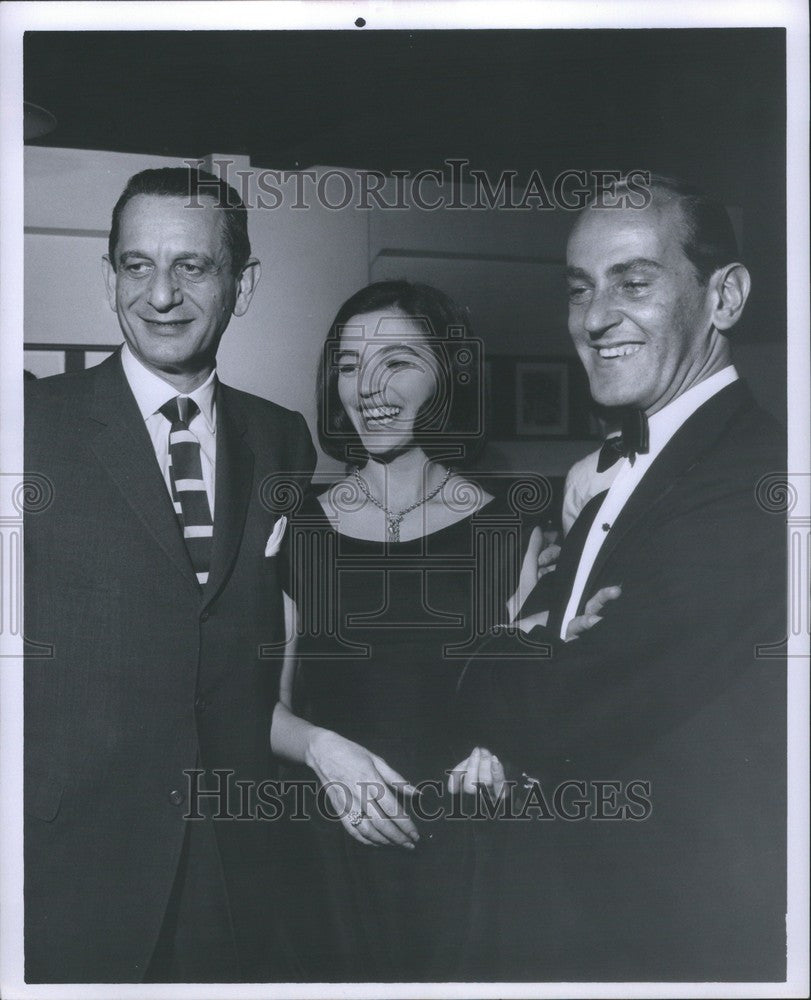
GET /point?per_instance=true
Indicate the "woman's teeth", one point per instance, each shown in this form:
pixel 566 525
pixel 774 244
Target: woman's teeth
pixel 380 414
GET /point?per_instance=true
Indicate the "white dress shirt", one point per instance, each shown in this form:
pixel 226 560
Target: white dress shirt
pixel 583 482
pixel 661 428
pixel 151 392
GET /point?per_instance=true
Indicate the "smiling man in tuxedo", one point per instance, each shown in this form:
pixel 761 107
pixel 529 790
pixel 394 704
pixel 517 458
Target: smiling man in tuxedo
pixel 147 576
pixel 669 687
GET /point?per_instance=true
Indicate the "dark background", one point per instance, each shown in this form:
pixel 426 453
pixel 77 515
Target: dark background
pixel 708 105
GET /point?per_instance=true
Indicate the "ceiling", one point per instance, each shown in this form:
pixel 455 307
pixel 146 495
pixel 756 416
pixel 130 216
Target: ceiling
pixel 708 105
pixel 408 100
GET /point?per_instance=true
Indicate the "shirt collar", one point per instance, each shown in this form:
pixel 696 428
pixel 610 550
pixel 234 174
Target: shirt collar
pixel 663 424
pixel 151 391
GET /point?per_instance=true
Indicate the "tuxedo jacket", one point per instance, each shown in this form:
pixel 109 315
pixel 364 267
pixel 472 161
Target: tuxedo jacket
pixel 680 687
pixel 135 675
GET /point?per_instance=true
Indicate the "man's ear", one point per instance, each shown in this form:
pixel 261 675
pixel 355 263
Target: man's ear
pixel 109 280
pixel 246 286
pixel 729 290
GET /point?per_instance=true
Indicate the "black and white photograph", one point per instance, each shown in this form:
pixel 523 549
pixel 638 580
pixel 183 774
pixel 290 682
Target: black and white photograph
pixel 405 499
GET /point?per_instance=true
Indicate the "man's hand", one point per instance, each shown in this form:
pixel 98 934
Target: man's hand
pixel 481 769
pixel 593 612
pixel 539 559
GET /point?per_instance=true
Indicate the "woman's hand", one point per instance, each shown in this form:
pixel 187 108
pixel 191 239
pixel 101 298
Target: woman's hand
pixel 481 769
pixel 347 769
pixel 539 559
pixel 592 612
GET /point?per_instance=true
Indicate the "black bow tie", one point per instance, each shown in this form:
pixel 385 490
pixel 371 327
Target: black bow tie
pixel 631 442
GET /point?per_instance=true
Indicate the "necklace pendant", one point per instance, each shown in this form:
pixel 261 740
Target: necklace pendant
pixel 393 520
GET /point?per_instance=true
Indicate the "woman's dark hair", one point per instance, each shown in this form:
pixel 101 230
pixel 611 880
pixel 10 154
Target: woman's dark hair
pixel 450 423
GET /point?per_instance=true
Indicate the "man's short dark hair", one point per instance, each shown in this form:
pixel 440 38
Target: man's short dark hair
pixel 193 184
pixel 450 421
pixel 709 241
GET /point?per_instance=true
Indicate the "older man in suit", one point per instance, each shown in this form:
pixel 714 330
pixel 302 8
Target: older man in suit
pixel 671 689
pixel 147 576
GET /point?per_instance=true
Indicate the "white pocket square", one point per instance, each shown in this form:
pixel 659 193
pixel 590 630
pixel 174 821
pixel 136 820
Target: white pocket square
pixel 274 542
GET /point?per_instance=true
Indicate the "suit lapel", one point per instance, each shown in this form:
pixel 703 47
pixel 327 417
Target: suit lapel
pixel 234 480
pixel 562 580
pixel 122 445
pixel 698 434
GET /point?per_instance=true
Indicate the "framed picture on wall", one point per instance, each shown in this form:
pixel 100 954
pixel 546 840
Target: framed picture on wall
pixel 537 397
pixel 542 403
pixel 41 360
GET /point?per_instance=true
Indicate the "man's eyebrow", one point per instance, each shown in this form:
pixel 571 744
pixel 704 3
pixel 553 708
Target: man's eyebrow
pixel 129 254
pixel 196 255
pixel 629 265
pixel 183 255
pixel 621 268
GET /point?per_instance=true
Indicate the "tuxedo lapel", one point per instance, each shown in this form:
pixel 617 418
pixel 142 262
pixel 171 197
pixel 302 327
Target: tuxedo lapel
pixel 121 443
pixel 564 576
pixel 698 434
pixel 234 479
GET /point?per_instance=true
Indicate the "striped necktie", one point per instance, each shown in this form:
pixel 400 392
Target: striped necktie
pixel 188 488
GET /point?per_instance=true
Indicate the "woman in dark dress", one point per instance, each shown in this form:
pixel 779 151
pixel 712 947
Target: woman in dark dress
pixel 396 571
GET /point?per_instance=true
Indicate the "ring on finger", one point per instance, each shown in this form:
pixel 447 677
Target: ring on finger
pixel 355 817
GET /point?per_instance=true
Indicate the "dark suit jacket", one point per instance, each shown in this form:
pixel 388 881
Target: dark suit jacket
pixel 146 676
pixel 667 689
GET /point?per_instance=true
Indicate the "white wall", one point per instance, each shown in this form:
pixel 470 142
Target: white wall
pixel 312 260
pixel 69 195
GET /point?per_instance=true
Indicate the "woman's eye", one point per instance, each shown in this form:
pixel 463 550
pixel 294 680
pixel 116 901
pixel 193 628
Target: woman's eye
pixel 399 364
pixel 347 369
